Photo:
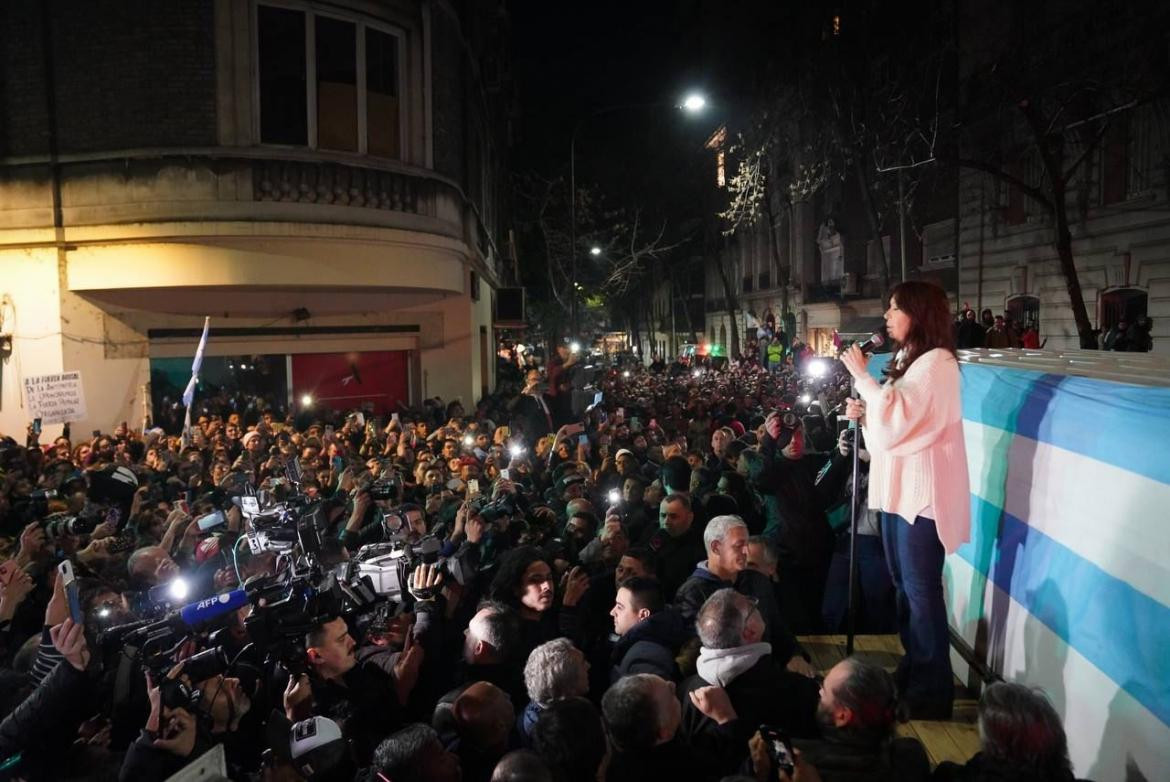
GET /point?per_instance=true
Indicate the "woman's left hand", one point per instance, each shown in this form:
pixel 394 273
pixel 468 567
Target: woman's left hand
pixel 855 361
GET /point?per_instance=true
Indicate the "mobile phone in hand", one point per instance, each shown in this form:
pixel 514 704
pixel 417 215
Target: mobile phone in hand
pixel 69 582
pixel 472 488
pixel 36 426
pixel 779 748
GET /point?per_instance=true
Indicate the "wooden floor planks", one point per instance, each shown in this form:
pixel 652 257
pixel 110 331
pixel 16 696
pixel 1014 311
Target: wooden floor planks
pixel 955 740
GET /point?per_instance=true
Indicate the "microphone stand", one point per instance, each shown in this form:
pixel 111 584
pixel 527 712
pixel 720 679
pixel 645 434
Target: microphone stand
pixel 851 611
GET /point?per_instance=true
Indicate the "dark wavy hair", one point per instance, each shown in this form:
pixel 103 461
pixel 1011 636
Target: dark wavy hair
pixel 511 573
pixel 929 309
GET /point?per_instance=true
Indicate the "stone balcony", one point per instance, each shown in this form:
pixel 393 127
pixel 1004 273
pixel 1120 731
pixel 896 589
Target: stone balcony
pixel 137 189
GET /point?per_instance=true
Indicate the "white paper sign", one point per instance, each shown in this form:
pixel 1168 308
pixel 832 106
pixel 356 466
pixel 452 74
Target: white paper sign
pixel 55 399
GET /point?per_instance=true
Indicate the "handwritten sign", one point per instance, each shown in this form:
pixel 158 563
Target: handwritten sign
pixel 55 399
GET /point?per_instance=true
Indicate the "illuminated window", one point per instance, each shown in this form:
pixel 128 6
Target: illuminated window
pixel 352 103
pixel 720 169
pixel 836 24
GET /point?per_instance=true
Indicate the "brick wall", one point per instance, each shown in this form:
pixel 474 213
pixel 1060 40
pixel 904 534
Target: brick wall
pixel 129 73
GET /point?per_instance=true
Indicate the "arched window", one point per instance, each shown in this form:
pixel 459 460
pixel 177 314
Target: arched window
pixel 1119 304
pixel 723 335
pixel 1023 310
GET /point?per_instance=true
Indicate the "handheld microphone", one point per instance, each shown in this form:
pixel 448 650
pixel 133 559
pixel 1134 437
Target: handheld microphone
pixel 193 616
pixel 875 341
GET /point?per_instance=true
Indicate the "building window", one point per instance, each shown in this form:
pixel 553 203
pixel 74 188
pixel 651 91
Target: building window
pixel 328 83
pixel 1115 161
pixel 382 107
pixel 1023 310
pixel 721 168
pixel 283 97
pixel 1122 304
pixel 336 49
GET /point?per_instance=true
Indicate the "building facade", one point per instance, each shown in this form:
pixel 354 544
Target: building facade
pixel 1117 193
pixel 323 180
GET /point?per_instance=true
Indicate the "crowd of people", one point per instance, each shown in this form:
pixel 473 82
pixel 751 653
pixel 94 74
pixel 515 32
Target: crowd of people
pixel 622 574
pixel 987 330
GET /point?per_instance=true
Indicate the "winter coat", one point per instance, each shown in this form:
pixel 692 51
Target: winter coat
pixel 650 646
pixel 981 768
pixel 703 583
pixel 677 557
pixel 840 760
pixel 47 720
pixel 761 693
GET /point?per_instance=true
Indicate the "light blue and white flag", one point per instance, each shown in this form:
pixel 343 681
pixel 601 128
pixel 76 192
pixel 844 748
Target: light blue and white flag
pixel 1065 583
pixel 189 391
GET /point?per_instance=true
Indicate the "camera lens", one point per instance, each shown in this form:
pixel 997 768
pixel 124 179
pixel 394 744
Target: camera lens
pixel 205 664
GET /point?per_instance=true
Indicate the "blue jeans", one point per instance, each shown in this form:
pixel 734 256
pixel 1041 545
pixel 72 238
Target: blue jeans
pixel 915 558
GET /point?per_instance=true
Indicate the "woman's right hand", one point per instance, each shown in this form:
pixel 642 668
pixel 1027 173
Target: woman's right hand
pixel 855 409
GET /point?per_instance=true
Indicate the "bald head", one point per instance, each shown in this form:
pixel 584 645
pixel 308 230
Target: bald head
pixel 484 716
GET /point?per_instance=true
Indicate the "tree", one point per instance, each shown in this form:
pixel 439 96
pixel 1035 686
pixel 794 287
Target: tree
pixel 611 281
pixel 1054 91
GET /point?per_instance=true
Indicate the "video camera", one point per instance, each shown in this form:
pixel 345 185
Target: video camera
pixel 388 566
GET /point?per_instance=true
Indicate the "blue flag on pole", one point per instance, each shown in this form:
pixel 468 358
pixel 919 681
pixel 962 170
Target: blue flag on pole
pixel 189 392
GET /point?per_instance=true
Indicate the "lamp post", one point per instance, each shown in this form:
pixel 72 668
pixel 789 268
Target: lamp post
pixel 693 103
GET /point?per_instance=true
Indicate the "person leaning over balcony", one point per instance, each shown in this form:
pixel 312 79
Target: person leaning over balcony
pixel 913 425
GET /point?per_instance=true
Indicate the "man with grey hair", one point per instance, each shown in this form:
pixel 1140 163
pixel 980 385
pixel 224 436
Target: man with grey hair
pixel 554 670
pixel 726 542
pixel 734 656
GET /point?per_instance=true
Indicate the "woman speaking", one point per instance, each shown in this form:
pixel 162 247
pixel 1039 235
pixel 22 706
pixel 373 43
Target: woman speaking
pixel 913 427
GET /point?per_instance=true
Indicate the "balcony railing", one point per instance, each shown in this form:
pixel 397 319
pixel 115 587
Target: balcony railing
pixel 342 185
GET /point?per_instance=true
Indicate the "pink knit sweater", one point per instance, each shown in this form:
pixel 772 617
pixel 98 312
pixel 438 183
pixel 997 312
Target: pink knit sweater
pixel 914 433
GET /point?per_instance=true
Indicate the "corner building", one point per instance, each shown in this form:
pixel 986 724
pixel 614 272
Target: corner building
pixel 324 180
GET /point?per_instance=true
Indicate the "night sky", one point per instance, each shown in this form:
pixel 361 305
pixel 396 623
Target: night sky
pixel 574 59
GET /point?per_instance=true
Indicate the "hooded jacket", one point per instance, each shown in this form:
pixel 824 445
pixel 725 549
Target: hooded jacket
pixel 761 693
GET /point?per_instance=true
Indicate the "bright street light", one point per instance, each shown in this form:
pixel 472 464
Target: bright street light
pixel 694 103
pixel 595 250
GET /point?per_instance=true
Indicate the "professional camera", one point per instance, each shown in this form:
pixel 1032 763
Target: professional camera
pixel 286 608
pixel 389 565
pixel 507 504
pixel 59 525
pixel 388 487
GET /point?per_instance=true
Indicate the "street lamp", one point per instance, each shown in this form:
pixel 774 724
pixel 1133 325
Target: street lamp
pixel 694 103
pixel 595 251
